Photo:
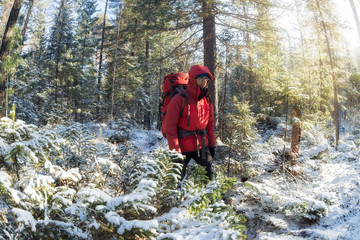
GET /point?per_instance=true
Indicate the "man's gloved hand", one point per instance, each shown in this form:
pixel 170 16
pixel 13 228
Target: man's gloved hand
pixel 212 151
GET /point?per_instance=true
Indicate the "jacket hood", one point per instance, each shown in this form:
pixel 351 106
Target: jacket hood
pixel 197 70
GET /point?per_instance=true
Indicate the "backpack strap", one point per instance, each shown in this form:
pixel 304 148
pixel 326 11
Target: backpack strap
pixel 208 98
pixel 172 92
pixel 185 133
pixel 182 105
pixel 184 96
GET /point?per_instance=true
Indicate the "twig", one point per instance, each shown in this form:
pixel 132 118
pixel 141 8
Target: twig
pixel 290 174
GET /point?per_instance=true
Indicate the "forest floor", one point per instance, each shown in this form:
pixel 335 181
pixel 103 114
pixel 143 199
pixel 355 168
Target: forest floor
pixel 319 198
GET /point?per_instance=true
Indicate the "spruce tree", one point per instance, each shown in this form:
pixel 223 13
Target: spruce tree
pixel 60 59
pixel 82 89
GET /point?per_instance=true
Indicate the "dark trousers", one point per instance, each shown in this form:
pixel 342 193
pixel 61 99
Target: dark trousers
pixel 206 162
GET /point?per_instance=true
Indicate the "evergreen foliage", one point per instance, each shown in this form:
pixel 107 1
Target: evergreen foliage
pixel 240 129
pixel 56 81
pixel 62 182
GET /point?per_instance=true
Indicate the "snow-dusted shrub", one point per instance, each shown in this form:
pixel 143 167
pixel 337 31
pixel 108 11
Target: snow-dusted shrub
pixel 29 228
pixel 76 144
pixel 170 168
pixel 156 189
pixel 203 195
pixel 311 136
pixel 305 209
pixel 59 197
pixel 23 144
pixel 118 131
pixel 240 128
pixel 316 152
pixel 346 146
pixel 32 157
pixel 217 221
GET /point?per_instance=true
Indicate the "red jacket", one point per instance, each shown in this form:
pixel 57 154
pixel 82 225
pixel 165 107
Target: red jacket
pixel 201 116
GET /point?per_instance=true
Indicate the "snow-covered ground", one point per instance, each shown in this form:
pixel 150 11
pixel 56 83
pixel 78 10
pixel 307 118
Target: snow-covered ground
pixel 317 199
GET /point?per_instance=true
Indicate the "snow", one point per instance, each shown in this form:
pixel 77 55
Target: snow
pixel 146 141
pixel 319 198
pixel 142 193
pixel 3 147
pixel 70 175
pixel 5 180
pixel 123 224
pixel 92 195
pixel 106 162
pixel 145 225
pixel 187 227
pixel 25 217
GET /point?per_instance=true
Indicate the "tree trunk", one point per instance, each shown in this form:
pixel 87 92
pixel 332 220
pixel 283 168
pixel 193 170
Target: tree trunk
pixel 115 69
pixel 26 22
pixel 250 73
pixel 57 75
pixel 336 104
pixel 100 64
pixel 4 51
pixel 159 90
pixel 209 35
pixel 355 16
pixel 5 14
pixel 223 100
pixel 9 29
pixel 295 137
pixel 286 125
pixel 147 112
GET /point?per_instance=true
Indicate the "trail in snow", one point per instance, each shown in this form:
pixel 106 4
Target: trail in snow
pixel 146 141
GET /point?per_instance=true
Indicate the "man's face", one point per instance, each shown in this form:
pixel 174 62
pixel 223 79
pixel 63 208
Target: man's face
pixel 202 82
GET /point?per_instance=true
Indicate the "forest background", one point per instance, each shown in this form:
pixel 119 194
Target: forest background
pixel 81 61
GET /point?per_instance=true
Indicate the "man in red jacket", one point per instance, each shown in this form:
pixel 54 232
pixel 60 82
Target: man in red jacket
pixel 189 122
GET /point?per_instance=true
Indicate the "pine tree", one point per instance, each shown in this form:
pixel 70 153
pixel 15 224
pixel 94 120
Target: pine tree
pixel 82 89
pixel 60 58
pixel 142 43
pixel 101 55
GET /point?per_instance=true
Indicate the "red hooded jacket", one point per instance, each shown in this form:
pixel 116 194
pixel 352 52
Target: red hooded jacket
pixel 196 115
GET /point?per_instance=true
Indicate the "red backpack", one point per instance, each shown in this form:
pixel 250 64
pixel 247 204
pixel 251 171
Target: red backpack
pixel 174 83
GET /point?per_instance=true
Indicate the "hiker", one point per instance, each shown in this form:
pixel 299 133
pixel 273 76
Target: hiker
pixel 189 124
